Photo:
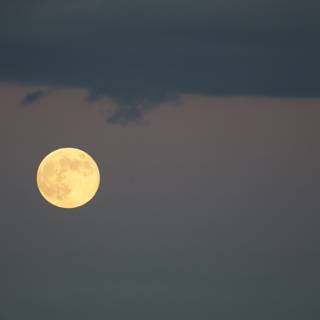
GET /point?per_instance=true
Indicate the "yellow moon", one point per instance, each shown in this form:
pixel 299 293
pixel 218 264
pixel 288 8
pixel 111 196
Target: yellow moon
pixel 68 178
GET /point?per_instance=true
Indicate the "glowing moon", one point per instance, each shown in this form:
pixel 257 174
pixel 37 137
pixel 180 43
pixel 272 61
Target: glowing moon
pixel 68 178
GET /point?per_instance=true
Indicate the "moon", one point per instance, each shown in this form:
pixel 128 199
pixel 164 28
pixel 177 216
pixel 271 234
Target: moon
pixel 68 178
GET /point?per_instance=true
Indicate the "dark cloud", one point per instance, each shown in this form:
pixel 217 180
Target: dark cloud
pixel 32 97
pixel 144 53
pixel 131 102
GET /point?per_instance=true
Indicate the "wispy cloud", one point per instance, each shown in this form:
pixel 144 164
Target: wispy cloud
pixel 33 97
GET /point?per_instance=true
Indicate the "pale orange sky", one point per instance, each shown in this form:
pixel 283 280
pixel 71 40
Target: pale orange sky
pixel 197 130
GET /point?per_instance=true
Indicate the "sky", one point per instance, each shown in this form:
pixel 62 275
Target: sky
pixel 203 119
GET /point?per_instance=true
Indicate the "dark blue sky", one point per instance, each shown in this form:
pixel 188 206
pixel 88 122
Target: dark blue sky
pixel 142 53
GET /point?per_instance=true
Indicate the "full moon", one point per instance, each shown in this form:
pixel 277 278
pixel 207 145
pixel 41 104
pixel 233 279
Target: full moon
pixel 68 178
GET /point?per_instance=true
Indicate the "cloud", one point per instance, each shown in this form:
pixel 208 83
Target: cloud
pixel 32 97
pixel 131 101
pixel 144 54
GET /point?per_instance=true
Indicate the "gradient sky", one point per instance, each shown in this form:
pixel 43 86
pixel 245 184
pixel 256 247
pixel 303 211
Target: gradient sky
pixel 204 119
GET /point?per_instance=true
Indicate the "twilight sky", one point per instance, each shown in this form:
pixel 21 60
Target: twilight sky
pixel 204 119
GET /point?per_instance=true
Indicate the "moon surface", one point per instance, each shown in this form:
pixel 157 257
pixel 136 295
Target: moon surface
pixel 68 178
